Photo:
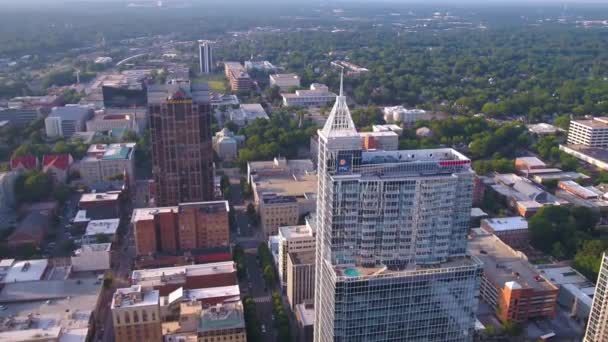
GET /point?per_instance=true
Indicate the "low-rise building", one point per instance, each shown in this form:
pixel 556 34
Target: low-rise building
pixel 509 283
pixel 57 166
pixel 259 65
pixel 578 190
pixel 32 229
pixel 511 230
pixel 226 143
pixel 112 119
pixel 222 101
pixel 247 113
pixel 388 128
pixel 384 140
pixel 27 162
pixel 575 291
pixel 522 195
pixel 300 277
pixel 58 308
pixel 596 156
pixel 284 81
pixel 101 229
pixel 305 320
pixel 136 314
pixel 403 115
pixel 20 117
pixel 23 270
pixel 65 121
pixel 100 205
pixel 317 96
pixel 198 276
pixel 92 257
pixel 543 129
pixel 293 239
pixel 529 163
pixel 104 163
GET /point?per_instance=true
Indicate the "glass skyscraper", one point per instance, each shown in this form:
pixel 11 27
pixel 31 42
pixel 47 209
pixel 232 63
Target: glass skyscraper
pixel 391 260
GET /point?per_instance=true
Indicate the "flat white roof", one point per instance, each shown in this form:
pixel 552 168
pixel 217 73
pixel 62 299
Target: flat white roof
pixel 6 263
pixel 507 223
pixel 148 297
pixel 155 274
pixel 307 315
pixel 50 334
pixel 107 227
pixel 26 270
pixel 531 161
pixel 213 292
pixel 292 232
pixel 74 335
pixel 99 196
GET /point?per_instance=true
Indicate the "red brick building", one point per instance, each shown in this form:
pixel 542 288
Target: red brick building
pixel 188 226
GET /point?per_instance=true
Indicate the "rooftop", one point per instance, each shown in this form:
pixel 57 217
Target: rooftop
pixel 294 232
pixel 159 276
pixel 213 292
pixel 99 196
pixel 597 122
pixel 306 314
pixel 94 247
pixel 600 154
pixel 285 77
pixel 443 156
pixel 106 227
pixel 503 265
pixel 31 335
pixel 110 152
pixel 501 224
pixel 302 258
pixel 70 112
pixel 531 162
pixel 224 316
pixel 25 270
pixel 160 93
pixel 273 186
pixel 142 214
pixel 134 296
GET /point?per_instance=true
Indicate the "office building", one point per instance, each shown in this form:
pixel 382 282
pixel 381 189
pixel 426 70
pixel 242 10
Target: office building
pixel 133 119
pixel 205 56
pixel 136 314
pixel 293 239
pixel 589 133
pixel 105 163
pixel 247 113
pixel 510 284
pixel 19 117
pixel 387 141
pixel 100 205
pixel 597 327
pixel 391 260
pixel 185 227
pixel 284 81
pixel 511 230
pixel 198 276
pixel 300 277
pixel 403 115
pixel 259 65
pixel 180 131
pixel 237 77
pixel 317 96
pixel 65 121
pixel 283 191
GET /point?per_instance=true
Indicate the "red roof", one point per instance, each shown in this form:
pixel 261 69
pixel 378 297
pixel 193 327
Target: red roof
pixel 28 162
pixel 59 161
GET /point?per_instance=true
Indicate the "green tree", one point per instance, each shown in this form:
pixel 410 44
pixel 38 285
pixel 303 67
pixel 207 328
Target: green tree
pixel 33 186
pixel 562 121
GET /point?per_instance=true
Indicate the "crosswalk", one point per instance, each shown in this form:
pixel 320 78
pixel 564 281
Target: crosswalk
pixel 262 299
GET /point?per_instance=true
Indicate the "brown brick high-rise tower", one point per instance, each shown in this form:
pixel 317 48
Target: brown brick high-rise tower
pixel 180 131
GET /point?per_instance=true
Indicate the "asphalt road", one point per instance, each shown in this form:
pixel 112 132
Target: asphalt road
pixel 256 288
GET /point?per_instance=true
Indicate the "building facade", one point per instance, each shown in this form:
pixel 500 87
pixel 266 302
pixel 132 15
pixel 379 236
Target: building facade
pixel 237 76
pixel 590 133
pixel 65 121
pixel 104 163
pixel 184 227
pixel 293 239
pixel 284 81
pixel 300 278
pixel 511 230
pixel 136 315
pixel 597 327
pixel 318 96
pixel 182 155
pixel 205 56
pixel 392 228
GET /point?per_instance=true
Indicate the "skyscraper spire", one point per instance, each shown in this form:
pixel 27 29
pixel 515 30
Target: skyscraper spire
pixel 339 122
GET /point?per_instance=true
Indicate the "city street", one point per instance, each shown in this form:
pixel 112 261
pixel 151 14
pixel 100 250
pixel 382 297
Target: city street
pixel 256 287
